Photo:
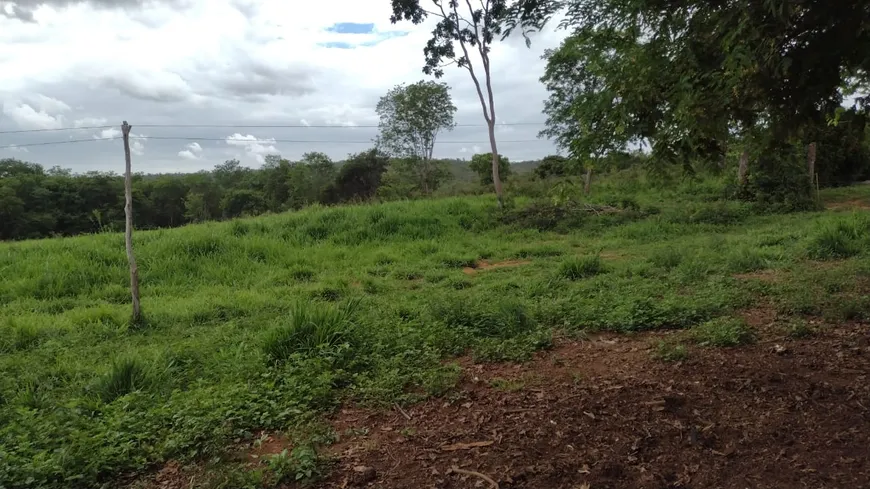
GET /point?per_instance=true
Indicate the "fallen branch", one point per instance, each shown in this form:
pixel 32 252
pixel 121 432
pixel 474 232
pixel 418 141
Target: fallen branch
pixel 485 477
pixel 466 446
pixel 399 408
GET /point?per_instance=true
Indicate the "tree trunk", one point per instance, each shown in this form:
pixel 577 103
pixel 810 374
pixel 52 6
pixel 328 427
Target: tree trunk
pixel 496 178
pixel 128 229
pixel 811 163
pixel 743 169
pixel 587 185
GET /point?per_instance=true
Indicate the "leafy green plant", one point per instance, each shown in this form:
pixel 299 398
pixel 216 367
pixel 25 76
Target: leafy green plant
pixel 797 329
pixel 671 351
pixel 299 464
pixel 723 332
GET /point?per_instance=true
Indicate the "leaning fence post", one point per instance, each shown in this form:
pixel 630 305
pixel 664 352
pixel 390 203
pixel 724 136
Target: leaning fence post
pixel 128 228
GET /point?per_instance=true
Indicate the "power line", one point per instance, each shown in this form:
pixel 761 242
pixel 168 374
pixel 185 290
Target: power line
pixel 83 128
pixel 49 143
pixel 247 126
pixel 243 142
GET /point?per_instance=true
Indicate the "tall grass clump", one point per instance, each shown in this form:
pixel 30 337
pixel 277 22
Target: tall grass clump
pixel 580 268
pixel 309 328
pixel 126 376
pixel 843 238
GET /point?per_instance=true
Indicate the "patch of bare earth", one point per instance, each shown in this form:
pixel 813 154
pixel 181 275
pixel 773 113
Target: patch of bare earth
pixel 603 413
pixel 849 204
pixel 487 265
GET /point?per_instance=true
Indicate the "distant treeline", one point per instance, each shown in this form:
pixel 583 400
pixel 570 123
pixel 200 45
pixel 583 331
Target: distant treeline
pixel 37 202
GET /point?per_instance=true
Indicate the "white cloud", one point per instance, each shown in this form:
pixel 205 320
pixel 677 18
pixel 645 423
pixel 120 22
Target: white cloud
pixel 473 150
pixel 243 62
pixel 29 118
pixel 137 147
pixel 90 122
pixel 108 133
pixel 256 148
pixel 48 104
pixel 17 149
pixel 192 152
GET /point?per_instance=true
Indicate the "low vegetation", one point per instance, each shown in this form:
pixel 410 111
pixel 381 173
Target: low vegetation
pixel 268 323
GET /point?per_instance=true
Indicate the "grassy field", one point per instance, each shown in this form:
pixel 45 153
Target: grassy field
pixel 267 323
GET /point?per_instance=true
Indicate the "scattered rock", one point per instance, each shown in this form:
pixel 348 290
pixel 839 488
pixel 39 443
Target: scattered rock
pixel 363 475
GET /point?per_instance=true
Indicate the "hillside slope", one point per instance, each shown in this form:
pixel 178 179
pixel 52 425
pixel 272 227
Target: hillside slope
pixel 273 323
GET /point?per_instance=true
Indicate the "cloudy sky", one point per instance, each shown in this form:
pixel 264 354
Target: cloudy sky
pixel 68 64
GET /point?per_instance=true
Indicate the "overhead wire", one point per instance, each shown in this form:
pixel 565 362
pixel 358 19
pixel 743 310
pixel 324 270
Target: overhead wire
pixel 244 126
pixel 243 142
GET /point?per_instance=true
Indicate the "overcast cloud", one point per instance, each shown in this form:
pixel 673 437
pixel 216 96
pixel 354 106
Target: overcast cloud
pixel 67 64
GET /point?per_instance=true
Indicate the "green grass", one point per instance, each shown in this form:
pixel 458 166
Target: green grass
pixel 258 324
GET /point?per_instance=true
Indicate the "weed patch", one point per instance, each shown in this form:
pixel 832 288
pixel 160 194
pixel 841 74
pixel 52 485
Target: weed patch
pixel 723 332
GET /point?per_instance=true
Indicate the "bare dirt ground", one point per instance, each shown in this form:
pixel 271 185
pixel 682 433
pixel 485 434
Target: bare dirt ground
pixel 602 413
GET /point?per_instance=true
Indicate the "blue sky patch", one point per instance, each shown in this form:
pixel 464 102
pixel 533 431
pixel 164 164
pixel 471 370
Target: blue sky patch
pixel 379 37
pixel 351 28
pixel 337 45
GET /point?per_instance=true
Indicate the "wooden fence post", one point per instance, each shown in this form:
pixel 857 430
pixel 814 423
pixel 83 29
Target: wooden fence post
pixel 128 228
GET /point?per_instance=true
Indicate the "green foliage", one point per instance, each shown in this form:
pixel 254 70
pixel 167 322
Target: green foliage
pixel 723 332
pixel 671 351
pixel 691 80
pixel 839 239
pixel 482 165
pixel 248 328
pixel 410 119
pixel 554 166
pixel 299 464
pixel 126 376
pixel 580 268
pixel 359 178
pixel 309 329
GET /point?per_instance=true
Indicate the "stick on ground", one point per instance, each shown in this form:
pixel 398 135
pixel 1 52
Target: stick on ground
pixel 485 477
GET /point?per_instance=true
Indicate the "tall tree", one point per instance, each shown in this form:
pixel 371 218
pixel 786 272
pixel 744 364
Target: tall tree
pixel 359 178
pixel 410 119
pixel 480 164
pixel 473 28
pixel 689 75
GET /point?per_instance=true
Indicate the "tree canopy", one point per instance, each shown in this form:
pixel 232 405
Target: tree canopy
pixel 688 76
pixel 473 27
pixel 410 119
pixel 480 164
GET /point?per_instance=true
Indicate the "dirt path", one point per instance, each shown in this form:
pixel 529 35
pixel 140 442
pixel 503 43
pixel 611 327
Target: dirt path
pixel 603 414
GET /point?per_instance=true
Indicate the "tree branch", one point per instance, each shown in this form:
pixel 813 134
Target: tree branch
pixel 471 68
